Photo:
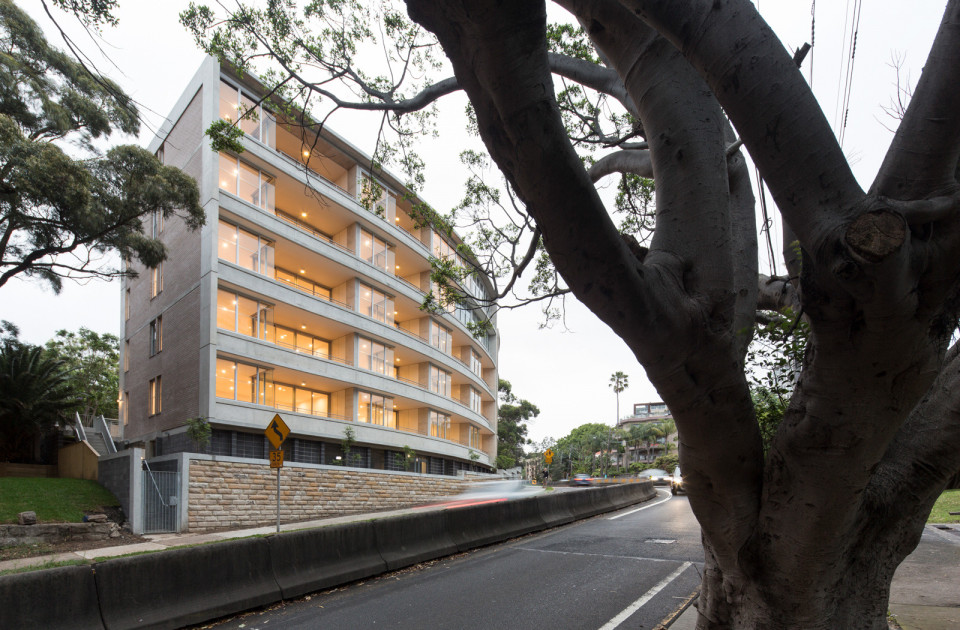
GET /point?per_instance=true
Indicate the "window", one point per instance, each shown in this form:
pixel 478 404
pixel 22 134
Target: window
pixel 376 304
pixel 440 337
pixel 476 403
pixel 244 382
pixel 124 405
pixel 256 122
pixel 126 304
pixel 375 409
pixel 302 400
pixel 250 445
pixel 300 341
pixel 156 223
pixel 303 284
pixel 246 249
pixel 126 355
pixel 475 365
pixel 473 437
pixel 439 424
pixel 155 397
pixel 443 249
pixel 439 381
pixel 375 251
pixel 156 280
pixel 246 182
pixel 376 357
pixel 244 315
pixel 156 336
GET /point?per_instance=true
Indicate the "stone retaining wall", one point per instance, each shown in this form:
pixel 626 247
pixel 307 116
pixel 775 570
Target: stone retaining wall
pixel 236 494
pixel 56 532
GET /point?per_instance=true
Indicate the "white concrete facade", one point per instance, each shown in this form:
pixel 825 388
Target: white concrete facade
pixel 296 299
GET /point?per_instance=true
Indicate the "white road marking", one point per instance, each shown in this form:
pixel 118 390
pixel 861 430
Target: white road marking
pixel 595 555
pixel 611 518
pixel 646 597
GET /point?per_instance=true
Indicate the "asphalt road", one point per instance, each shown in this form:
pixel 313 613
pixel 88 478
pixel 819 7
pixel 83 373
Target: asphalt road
pixel 626 569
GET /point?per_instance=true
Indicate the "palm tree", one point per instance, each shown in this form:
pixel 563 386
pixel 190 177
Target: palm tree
pixel 618 381
pixel 34 392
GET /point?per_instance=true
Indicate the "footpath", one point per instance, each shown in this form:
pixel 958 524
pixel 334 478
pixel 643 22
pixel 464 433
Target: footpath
pixel 925 594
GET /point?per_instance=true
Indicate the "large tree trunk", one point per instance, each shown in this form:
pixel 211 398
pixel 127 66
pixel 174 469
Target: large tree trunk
pixel 852 594
pixel 810 535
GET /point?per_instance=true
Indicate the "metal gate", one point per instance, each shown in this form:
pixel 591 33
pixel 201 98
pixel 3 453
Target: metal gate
pixel 161 501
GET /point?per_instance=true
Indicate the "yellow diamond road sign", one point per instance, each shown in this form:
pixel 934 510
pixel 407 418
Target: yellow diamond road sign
pixel 548 455
pixel 277 431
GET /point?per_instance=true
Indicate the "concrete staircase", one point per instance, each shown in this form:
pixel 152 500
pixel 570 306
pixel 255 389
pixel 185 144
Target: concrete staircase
pixel 96 441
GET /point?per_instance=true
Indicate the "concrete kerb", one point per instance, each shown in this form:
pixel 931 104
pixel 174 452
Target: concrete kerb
pixel 64 597
pixel 412 538
pixel 184 586
pixel 314 559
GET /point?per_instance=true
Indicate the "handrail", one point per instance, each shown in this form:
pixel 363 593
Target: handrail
pixel 78 427
pixel 104 431
pixel 316 353
pixel 306 168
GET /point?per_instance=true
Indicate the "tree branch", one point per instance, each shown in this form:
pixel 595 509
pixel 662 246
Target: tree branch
pixel 636 162
pixel 777 294
pixel 925 150
pixel 604 80
pixel 780 122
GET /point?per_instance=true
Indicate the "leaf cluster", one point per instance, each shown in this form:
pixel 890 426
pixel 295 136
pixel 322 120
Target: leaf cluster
pixel 59 214
pixel 93 362
pixel 35 393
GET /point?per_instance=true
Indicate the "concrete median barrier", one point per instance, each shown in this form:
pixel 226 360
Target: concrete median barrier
pixel 314 559
pixel 412 538
pixel 478 525
pixel 554 509
pixel 590 502
pixel 64 597
pixel 184 586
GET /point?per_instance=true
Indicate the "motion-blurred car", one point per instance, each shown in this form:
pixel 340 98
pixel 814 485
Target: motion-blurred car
pixel 489 492
pixel 676 485
pixel 658 476
pixel 582 480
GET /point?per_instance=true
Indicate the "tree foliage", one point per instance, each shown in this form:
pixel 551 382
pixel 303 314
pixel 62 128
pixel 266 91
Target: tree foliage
pixel 512 416
pixel 60 213
pixel 35 393
pixel 93 363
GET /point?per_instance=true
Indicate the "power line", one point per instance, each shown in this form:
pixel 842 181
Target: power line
pixel 848 86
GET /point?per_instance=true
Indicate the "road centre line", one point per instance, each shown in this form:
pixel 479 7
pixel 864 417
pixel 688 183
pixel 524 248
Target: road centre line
pixel 646 597
pixel 612 518
pixel 596 555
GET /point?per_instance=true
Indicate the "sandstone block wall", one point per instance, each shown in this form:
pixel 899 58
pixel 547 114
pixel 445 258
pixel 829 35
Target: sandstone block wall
pixel 235 494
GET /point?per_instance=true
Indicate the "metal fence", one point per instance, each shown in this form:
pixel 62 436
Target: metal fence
pixel 161 501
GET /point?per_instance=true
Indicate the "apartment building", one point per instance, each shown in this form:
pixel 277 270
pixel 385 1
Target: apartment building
pixel 301 296
pixel 646 412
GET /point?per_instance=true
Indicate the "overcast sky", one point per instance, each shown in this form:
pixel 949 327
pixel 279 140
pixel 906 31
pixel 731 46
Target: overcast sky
pixel 563 371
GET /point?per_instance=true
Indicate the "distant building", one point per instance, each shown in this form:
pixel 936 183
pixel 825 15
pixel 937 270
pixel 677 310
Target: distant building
pixel 647 412
pixel 297 298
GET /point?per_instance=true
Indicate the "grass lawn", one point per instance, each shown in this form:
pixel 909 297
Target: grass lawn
pixel 948 502
pixel 54 500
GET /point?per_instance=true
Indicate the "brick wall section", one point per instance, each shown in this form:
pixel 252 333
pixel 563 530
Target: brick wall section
pixel 179 304
pixel 234 494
